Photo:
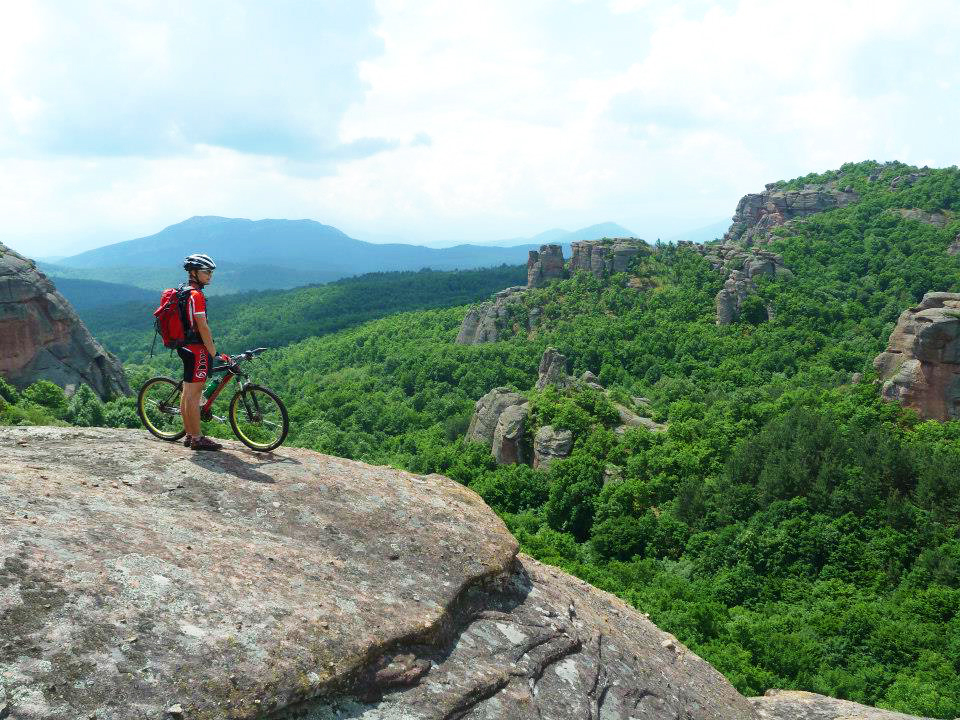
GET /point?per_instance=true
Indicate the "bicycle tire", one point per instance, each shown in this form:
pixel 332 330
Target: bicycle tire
pixel 271 441
pixel 144 412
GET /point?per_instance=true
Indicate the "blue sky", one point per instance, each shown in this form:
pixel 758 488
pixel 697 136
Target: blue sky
pixel 444 122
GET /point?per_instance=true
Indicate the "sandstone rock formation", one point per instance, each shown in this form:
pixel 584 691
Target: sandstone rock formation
pixel 758 213
pixel 484 322
pixel 742 265
pixel 591 380
pixel 509 441
pixel 487 411
pixel 902 181
pixel 921 365
pixel 553 370
pixel 551 444
pixel 143 580
pixel 954 248
pixel 41 337
pixel 606 257
pixel 799 705
pixel 937 219
pixel 630 419
pixel 501 417
pixel 545 265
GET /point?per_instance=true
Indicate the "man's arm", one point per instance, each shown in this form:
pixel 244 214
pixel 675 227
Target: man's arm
pixel 204 330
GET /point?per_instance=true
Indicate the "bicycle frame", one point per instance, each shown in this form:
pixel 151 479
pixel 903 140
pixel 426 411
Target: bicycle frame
pixel 229 372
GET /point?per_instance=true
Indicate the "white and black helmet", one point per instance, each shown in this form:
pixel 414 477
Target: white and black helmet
pixel 199 261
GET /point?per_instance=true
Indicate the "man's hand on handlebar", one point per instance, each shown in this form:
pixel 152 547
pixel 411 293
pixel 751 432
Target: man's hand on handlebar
pixel 225 359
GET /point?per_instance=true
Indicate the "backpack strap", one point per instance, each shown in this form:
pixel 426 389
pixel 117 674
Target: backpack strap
pixel 183 296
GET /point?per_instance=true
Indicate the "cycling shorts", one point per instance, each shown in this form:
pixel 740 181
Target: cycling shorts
pixel 196 363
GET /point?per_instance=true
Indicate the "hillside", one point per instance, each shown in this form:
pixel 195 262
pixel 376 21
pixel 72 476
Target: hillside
pixel 87 294
pixel 783 502
pixel 790 526
pixel 278 317
pixel 267 254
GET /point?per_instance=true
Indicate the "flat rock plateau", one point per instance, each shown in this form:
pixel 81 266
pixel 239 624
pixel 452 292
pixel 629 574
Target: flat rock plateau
pixel 143 580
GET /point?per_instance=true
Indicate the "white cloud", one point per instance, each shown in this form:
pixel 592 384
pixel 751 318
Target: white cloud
pixel 437 120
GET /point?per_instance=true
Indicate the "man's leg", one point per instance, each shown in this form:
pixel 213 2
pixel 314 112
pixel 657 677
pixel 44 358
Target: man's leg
pixel 190 407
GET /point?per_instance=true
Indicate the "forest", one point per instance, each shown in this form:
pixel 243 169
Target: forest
pixel 789 526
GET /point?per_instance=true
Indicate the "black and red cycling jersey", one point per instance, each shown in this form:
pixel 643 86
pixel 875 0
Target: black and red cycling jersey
pixel 196 359
pixel 194 304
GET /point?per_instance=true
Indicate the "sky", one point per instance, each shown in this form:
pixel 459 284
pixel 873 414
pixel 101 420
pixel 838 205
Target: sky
pixel 437 122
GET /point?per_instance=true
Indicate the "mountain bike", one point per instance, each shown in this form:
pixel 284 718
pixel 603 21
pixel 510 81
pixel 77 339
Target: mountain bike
pixel 257 416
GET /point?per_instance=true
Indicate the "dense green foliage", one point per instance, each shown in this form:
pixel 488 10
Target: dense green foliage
pixel 278 317
pixel 86 294
pixel 791 527
pixel 44 403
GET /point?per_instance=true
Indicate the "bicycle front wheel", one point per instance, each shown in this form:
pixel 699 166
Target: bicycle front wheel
pixel 259 418
pixel 158 405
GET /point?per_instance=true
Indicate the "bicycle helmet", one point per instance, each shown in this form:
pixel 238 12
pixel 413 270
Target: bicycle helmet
pixel 199 261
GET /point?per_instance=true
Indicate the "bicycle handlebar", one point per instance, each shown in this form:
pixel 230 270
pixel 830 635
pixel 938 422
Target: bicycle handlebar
pixel 236 359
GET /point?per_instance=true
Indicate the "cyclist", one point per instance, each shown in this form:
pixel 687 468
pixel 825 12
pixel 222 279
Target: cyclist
pixel 197 351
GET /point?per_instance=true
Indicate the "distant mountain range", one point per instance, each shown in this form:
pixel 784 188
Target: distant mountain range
pixel 702 234
pixel 259 254
pixel 565 237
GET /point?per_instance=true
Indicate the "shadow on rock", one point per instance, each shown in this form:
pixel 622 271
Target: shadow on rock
pixel 230 463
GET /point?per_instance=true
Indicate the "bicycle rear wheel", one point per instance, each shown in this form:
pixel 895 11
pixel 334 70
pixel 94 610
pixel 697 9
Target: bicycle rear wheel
pixel 259 418
pixel 158 405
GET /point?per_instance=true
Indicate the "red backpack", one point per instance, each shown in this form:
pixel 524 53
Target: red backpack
pixel 170 318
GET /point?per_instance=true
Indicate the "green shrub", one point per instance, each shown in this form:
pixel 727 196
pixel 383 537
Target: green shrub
pixel 47 395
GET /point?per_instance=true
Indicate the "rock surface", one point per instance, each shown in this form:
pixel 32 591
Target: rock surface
pixel 484 322
pixel 602 258
pixel 630 419
pixel 500 418
pixel 921 366
pixel 509 443
pixel 138 574
pixel 742 265
pixel 141 579
pixel 41 336
pixel 553 370
pixel 758 213
pixel 799 705
pixel 954 248
pixel 545 265
pixel 551 444
pixel 937 219
pixel 487 411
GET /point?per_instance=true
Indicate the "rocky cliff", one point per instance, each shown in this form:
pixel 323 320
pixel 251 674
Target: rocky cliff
pixel 741 266
pixel 41 336
pixel 799 705
pixel 758 213
pixel 740 254
pixel 141 580
pixel 921 366
pixel 501 418
pixel 545 265
pixel 487 321
pixel 484 322
pixel 606 257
